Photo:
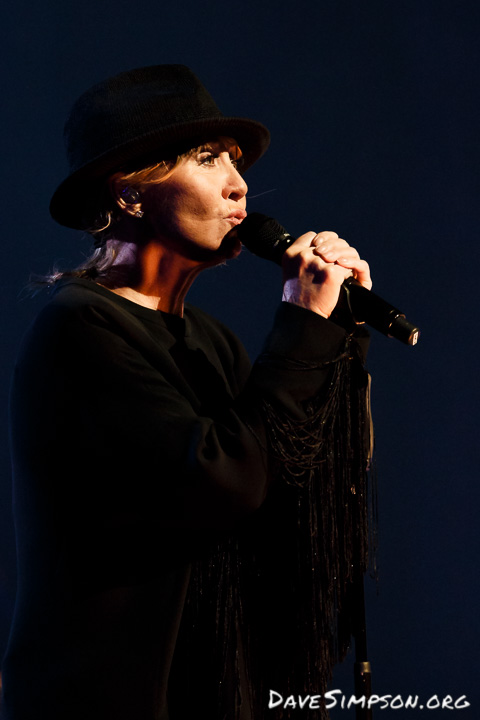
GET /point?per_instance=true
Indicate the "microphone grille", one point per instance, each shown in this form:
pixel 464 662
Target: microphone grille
pixel 263 236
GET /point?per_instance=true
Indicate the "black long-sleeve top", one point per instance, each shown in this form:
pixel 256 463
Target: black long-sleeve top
pixel 136 435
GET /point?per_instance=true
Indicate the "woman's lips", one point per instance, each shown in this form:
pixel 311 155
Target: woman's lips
pixel 236 217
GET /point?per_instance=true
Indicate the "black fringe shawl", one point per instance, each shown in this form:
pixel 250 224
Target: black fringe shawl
pixel 271 608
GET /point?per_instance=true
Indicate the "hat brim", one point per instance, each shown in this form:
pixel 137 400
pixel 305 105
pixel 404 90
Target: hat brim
pixel 72 202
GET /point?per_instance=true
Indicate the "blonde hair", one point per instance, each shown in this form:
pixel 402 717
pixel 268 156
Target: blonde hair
pixel 105 223
pixel 103 228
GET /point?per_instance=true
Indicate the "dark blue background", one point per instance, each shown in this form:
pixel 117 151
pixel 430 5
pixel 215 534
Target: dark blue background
pixel 374 114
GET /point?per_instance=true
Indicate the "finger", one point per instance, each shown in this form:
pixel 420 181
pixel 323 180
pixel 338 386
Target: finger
pixel 330 251
pixel 310 239
pixel 324 237
pixel 302 242
pixel 360 270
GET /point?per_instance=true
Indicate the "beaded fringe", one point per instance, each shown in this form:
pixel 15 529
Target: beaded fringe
pixel 282 615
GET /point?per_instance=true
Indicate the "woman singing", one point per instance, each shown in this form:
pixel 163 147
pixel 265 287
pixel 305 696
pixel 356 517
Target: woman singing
pixel 186 524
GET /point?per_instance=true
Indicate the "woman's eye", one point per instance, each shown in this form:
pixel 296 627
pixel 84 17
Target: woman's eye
pixel 210 159
pixel 207 158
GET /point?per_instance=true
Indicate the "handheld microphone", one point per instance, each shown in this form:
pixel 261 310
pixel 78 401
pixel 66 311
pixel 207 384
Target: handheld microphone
pixel 265 237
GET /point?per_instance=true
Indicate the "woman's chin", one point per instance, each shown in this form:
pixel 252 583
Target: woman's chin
pixel 231 246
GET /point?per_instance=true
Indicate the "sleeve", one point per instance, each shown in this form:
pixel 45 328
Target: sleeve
pixel 102 419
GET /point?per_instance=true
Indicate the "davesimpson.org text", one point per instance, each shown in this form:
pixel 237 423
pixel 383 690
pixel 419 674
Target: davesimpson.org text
pixel 336 698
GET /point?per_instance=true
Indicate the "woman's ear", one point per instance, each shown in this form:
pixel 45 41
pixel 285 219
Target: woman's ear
pixel 126 196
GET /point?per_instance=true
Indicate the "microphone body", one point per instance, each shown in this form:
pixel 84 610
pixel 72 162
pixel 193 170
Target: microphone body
pixel 265 237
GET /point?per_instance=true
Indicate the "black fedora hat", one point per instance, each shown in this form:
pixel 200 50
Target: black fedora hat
pixel 139 115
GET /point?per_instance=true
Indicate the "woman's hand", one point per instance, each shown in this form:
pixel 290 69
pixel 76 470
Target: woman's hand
pixel 314 268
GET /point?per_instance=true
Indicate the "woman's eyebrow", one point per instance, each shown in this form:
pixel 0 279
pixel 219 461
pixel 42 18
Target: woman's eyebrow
pixel 204 146
pixel 220 145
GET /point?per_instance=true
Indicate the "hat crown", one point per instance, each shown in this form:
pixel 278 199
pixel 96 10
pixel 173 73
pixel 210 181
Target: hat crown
pixel 134 103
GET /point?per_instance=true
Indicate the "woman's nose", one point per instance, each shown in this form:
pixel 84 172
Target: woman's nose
pixel 236 188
